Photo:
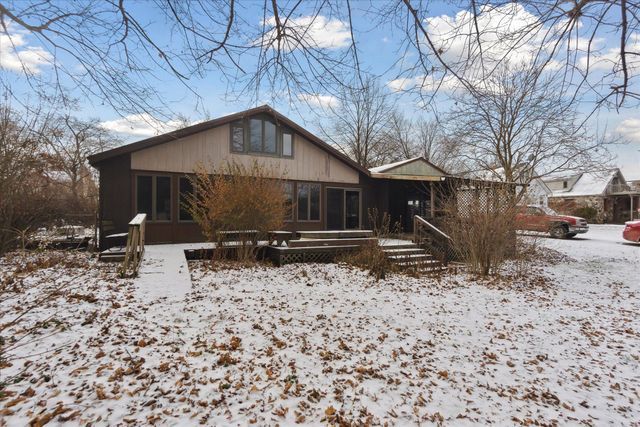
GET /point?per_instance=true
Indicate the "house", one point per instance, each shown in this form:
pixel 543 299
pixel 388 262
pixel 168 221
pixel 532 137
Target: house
pixel 603 195
pixel 538 193
pixel 331 191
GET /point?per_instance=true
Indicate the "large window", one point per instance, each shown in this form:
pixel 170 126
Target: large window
pixel 308 202
pixel 153 197
pixel 186 191
pixel 261 135
pixel 288 195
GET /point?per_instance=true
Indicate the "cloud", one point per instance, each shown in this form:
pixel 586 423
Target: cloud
pixel 630 129
pixel 17 56
pixel 423 83
pixel 508 35
pixel 143 125
pixel 610 59
pixel 317 100
pixel 316 31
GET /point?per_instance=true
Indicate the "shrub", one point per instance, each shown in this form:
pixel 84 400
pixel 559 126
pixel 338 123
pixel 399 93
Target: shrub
pixel 371 256
pixel 587 212
pixel 481 224
pixel 239 198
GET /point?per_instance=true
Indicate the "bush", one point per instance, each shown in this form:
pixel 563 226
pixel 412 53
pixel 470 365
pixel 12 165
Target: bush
pixel 240 199
pixel 481 224
pixel 371 256
pixel 587 212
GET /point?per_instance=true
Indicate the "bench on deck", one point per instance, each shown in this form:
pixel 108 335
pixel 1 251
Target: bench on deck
pixel 279 237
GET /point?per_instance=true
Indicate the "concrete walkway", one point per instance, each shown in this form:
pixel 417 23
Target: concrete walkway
pixel 164 271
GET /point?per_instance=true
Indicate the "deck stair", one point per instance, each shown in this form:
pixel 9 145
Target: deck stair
pixel 321 246
pixel 410 256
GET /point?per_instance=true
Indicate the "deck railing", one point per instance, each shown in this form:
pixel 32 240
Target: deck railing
pixel 434 240
pixel 135 246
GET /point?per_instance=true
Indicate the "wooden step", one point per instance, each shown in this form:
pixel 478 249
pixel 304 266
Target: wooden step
pixel 113 257
pixel 337 234
pixel 332 242
pixel 400 246
pixel 410 258
pixel 403 251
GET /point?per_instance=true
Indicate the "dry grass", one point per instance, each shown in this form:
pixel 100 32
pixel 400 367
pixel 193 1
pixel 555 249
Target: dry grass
pixel 371 256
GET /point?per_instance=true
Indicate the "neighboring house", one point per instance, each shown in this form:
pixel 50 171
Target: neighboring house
pixel 331 191
pixel 605 193
pixel 538 193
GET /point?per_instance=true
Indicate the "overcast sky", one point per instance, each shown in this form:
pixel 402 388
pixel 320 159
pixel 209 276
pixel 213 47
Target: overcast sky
pixel 378 46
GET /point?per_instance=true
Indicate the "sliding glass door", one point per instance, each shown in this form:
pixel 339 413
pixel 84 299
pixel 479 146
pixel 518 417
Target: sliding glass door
pixel 343 209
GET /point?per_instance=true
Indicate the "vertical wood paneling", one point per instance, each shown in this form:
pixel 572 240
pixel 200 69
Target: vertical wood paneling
pixel 211 148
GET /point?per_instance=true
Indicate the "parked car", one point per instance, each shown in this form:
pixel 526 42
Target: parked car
pixel 546 220
pixel 632 231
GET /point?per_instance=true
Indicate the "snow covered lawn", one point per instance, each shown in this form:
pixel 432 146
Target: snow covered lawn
pixel 327 344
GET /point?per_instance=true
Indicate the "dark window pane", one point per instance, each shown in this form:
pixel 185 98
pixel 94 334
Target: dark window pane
pixel 303 202
pixel 269 137
pixel 288 195
pixel 287 144
pixel 143 195
pixel 352 209
pixel 237 137
pixel 186 189
pixel 335 209
pixel 314 200
pixel 163 198
pixel 255 132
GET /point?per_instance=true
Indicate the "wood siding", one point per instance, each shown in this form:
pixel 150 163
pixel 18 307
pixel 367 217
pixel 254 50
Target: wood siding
pixel 212 148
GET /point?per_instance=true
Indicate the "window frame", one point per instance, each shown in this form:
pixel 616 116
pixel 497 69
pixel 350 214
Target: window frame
pixel 281 130
pixel 238 124
pixel 282 133
pixel 180 220
pixel 154 206
pixel 297 199
pixel 292 216
pixel 344 204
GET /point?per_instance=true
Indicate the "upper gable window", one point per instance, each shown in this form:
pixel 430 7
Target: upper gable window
pixel 261 135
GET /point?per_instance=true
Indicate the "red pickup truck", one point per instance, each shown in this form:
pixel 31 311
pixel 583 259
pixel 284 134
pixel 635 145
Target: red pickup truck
pixel 546 220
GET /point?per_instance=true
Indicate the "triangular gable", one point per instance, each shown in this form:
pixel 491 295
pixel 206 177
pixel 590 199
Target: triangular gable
pixel 418 166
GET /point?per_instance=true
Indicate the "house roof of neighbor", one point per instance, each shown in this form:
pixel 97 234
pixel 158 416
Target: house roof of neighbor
pixel 587 184
pixel 98 158
pixel 417 166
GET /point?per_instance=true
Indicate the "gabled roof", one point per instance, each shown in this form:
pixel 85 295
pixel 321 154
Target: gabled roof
pixel 397 168
pixel 97 158
pixel 588 184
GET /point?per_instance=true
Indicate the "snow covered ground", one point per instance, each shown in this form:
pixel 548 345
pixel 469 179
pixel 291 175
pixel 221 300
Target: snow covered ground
pixel 325 344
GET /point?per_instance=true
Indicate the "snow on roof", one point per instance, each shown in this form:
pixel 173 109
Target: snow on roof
pixel 589 184
pixel 381 169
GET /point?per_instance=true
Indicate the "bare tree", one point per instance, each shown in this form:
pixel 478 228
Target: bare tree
pixel 112 52
pixel 571 39
pixel 358 126
pixel 437 147
pixel 24 194
pixel 520 127
pixel 71 141
pixel 401 137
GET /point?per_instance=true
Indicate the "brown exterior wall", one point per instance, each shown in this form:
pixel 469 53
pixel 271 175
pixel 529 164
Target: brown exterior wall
pixel 115 196
pixel 176 231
